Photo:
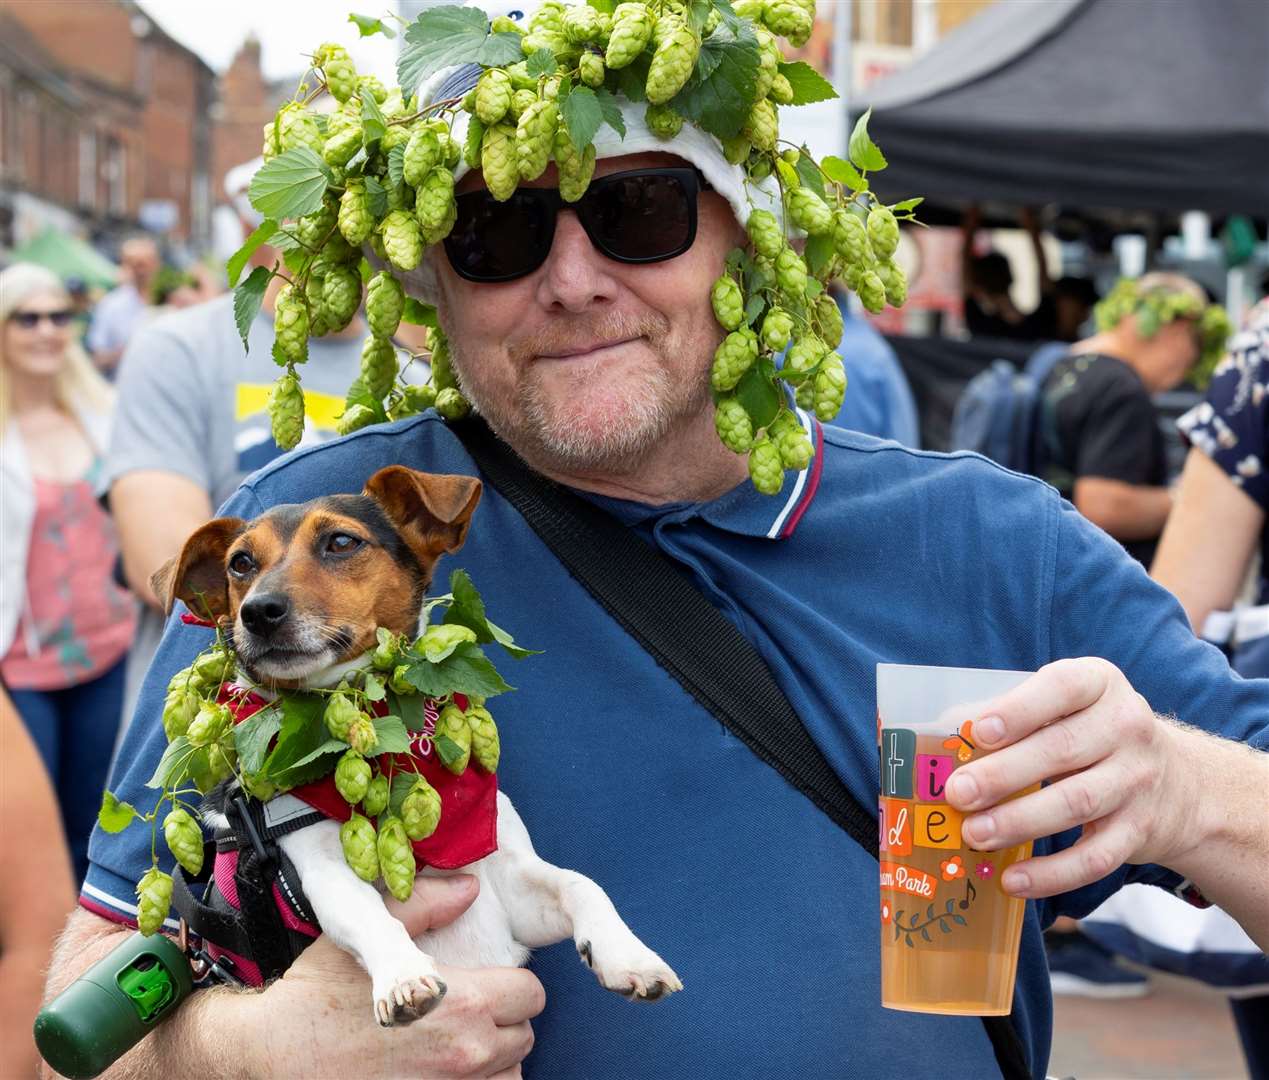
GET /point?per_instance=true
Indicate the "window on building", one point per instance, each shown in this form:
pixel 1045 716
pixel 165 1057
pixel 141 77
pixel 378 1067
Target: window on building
pixel 116 177
pixel 88 169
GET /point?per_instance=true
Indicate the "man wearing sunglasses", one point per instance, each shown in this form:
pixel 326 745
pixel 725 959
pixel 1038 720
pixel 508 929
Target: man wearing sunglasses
pixel 583 334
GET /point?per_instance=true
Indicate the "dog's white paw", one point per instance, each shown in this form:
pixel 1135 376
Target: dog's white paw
pixel 630 969
pixel 404 996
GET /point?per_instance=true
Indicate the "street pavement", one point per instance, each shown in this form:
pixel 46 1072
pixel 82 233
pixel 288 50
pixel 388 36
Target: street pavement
pixel 1181 1031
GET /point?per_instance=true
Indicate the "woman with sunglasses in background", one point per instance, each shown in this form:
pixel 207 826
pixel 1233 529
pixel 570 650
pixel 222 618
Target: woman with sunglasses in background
pixel 65 624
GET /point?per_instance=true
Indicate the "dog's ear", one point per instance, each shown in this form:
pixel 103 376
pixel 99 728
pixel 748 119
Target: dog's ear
pixel 432 512
pixel 197 574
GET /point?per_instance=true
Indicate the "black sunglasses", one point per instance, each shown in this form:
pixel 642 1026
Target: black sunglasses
pixel 642 216
pixel 29 320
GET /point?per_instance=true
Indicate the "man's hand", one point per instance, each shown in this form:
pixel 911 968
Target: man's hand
pixel 1117 770
pixel 480 1029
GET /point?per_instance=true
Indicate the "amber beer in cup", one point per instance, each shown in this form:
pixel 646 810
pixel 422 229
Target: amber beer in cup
pixel 949 932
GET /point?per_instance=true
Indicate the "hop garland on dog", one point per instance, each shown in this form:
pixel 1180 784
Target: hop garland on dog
pixel 379 170
pixel 377 709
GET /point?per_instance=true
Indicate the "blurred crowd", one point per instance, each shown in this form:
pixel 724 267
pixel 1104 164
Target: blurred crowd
pixel 127 417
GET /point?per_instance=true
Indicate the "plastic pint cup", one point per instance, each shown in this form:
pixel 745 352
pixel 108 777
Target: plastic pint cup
pixel 949 932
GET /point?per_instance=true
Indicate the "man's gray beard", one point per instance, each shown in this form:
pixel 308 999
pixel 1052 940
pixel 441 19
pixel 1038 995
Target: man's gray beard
pixel 548 441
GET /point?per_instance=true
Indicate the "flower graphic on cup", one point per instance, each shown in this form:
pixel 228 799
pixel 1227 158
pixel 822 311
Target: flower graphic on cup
pixel 886 912
pixel 952 868
pixel 984 870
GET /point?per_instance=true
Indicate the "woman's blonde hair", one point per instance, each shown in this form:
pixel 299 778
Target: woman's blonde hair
pixel 78 384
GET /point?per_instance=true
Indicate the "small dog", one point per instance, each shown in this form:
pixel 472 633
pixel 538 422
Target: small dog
pixel 301 590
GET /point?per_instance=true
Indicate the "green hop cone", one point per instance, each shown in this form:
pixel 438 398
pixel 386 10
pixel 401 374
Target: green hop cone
pixel 184 840
pixel 582 24
pixel 214 666
pixel 733 357
pixel 385 302
pixel 672 64
pixel 354 418
pixel 414 400
pixel 186 679
pixel 402 240
pixel 503 24
pixel 270 148
pixel 286 411
pixel 872 293
pixel 850 239
pixel 784 422
pixel 493 96
pixel 355 219
pixel 802 357
pixel 297 127
pixel 765 234
pixel 805 395
pixel 399 683
pixel 362 736
pixel 357 838
pixel 829 387
pixel 790 20
pixel 443 377
pixel 768 64
pixel 535 135
pixel 213 721
pixel 258 787
pixel 220 763
pixel 894 281
pixel 421 811
pixel 341 75
pixel 370 84
pixel 434 205
pixel 777 325
pixel 781 91
pixel 736 150
pixel 387 653
pixel 451 404
pixel 733 425
pixel 437 642
pixel 378 367
pixel 422 155
pixel 313 228
pixel 663 121
pixel 375 801
pixel 791 275
pixel 154 900
pixel 485 744
pixel 762 126
pixel 340 714
pixel 631 32
pixel 341 295
pixel 795 449
pixel 396 858
pixel 520 101
pixel 452 725
pixel 883 231
pixel 290 325
pixel 339 148
pixel 828 320
pixel 179 709
pixel 591 69
pixel 575 167
pixel 396 135
pixel 765 467
pixel 809 212
pixel 498 161
pixel 729 303
pixel 352 777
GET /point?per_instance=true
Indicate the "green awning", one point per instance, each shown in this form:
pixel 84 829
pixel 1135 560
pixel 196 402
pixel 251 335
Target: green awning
pixel 67 256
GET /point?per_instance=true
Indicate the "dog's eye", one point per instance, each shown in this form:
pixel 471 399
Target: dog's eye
pixel 241 564
pixel 342 544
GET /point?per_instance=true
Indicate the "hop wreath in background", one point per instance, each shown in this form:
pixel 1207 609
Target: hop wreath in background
pixel 378 709
pixel 379 169
pixel 1159 305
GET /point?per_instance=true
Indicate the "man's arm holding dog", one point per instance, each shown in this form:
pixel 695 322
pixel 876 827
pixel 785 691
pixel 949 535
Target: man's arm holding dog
pixel 154 511
pixel 315 1020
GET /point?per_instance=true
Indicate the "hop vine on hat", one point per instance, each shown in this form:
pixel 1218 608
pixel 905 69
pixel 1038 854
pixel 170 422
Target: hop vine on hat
pixel 379 170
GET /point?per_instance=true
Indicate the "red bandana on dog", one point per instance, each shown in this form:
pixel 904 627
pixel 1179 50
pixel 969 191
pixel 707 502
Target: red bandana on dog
pixel 468 828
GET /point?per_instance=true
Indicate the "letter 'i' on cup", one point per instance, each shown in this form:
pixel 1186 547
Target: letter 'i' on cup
pixel 949 933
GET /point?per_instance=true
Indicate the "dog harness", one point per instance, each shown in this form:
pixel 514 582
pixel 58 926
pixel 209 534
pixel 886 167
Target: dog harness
pixel 248 905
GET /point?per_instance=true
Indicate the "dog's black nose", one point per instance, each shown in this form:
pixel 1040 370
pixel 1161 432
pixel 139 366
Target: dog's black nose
pixel 262 615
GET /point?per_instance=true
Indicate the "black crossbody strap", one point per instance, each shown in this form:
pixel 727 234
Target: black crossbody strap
pixel 699 647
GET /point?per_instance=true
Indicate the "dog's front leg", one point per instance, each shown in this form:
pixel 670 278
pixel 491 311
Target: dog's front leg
pixel 403 978
pixel 547 904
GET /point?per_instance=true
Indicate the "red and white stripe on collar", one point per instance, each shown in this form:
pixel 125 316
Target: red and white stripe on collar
pixel 806 485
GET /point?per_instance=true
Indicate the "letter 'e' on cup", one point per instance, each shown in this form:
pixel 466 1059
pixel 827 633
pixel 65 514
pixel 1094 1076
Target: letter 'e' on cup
pixel 949 932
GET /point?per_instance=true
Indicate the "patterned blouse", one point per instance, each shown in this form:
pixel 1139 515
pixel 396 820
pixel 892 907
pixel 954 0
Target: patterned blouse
pixel 1231 426
pixel 78 620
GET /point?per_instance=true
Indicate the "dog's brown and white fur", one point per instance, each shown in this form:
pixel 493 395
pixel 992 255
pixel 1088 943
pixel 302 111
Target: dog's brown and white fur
pixel 301 590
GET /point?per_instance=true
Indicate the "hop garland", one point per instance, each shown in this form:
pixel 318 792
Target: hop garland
pixel 379 170
pixel 299 737
pixel 1156 306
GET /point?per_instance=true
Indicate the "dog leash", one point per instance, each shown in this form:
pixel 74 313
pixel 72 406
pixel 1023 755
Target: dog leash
pixel 698 646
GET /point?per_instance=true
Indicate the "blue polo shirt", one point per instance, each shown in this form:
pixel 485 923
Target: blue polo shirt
pixel 768 911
